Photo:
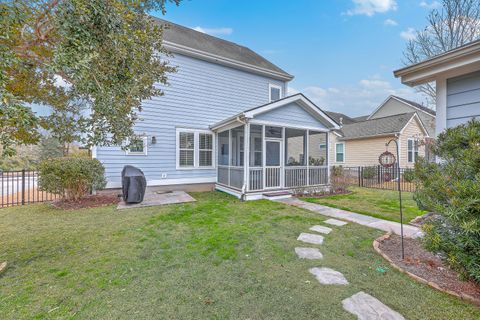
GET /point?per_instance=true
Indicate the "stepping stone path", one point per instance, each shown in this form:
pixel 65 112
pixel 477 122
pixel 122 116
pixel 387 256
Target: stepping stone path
pixel 366 307
pixel 321 229
pixel 328 276
pixel 335 222
pixel 310 238
pixel 309 253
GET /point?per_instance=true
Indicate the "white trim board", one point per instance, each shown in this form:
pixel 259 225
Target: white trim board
pixel 168 182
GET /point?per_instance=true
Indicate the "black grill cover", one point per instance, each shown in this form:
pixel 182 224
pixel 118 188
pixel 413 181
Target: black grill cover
pixel 133 184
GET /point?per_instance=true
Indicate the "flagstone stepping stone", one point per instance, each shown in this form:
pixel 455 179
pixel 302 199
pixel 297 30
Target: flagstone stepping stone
pixel 328 276
pixel 308 253
pixel 321 229
pixel 366 307
pixel 335 222
pixel 310 238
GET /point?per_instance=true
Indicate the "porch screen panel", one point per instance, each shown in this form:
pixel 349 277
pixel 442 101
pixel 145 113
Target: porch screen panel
pixel 223 155
pixel 256 157
pixel 295 147
pixel 237 143
pixel 317 158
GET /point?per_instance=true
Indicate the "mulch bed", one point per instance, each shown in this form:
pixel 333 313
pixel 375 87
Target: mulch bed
pixel 99 200
pixel 428 267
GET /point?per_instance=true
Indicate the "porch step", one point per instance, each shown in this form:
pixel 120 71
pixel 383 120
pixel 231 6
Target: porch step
pixel 277 195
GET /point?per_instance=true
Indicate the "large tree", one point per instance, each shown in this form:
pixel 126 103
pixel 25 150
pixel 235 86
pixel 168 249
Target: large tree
pixel 456 23
pixel 91 61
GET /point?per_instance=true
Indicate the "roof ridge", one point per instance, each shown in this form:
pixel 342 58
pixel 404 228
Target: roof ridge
pixel 391 116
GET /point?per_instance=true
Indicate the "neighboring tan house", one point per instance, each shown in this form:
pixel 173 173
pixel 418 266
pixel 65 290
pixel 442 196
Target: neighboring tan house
pixel 456 74
pixel 361 140
pixel 224 122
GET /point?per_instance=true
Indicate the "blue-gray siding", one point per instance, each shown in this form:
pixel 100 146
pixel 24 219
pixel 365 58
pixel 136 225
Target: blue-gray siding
pixel 291 114
pixel 463 99
pixel 200 94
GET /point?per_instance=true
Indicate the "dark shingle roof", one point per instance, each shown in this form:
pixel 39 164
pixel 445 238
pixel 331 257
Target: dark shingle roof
pixel 337 115
pixel 417 105
pixel 196 40
pixel 361 118
pixel 375 127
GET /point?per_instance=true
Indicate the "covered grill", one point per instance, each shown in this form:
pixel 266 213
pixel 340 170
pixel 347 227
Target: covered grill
pixel 133 184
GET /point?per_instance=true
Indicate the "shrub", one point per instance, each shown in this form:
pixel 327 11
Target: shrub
pixel 452 189
pixel 409 175
pixel 369 172
pixel 71 178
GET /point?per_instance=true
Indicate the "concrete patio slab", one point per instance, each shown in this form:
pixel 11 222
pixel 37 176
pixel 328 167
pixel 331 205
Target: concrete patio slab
pixel 335 222
pixel 159 199
pixel 366 307
pixel 380 224
pixel 321 229
pixel 310 238
pixel 308 253
pixel 328 276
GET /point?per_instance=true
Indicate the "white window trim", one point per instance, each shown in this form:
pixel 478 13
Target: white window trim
pixel 270 86
pixel 196 152
pixel 145 148
pixel 408 150
pixel 344 153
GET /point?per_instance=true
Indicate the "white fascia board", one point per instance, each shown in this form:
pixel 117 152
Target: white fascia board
pixel 295 98
pixel 422 126
pixel 456 62
pixel 174 47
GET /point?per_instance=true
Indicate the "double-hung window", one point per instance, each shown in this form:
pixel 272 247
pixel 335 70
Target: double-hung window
pixel 412 150
pixel 275 92
pixel 194 149
pixel 137 147
pixel 340 152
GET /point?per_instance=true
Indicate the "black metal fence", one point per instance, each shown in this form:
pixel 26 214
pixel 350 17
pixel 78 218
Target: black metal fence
pixel 378 177
pixel 21 187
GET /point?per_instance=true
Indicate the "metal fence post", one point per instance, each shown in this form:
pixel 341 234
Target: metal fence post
pixel 23 186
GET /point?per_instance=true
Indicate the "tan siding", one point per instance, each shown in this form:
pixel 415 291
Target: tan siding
pixel 393 107
pixel 365 152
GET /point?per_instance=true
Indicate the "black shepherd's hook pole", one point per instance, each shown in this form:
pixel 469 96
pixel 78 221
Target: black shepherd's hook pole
pixel 399 192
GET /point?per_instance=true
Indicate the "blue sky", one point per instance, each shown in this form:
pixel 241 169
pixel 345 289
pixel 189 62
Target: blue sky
pixel 341 52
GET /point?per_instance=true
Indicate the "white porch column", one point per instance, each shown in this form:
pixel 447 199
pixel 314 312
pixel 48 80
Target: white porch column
pixel 307 155
pixel 246 157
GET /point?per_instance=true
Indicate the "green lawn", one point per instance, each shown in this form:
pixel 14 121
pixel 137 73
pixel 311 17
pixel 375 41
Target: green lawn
pixel 378 203
pixel 218 258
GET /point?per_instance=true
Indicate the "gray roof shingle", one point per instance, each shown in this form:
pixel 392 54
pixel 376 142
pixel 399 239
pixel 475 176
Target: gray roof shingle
pixel 417 105
pixel 196 40
pixel 337 115
pixel 375 127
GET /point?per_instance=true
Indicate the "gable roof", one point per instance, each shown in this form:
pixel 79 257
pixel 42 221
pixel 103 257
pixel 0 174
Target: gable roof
pixel 337 116
pixel 378 127
pixel 361 118
pixel 412 104
pixel 297 98
pixel 180 39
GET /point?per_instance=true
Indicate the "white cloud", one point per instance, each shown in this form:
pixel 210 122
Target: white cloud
pixel 214 31
pixel 430 5
pixel 371 7
pixel 390 22
pixel 359 99
pixel 408 34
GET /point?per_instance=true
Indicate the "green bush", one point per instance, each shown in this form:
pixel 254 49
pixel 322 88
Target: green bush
pixel 71 178
pixel 369 172
pixel 452 189
pixel 408 175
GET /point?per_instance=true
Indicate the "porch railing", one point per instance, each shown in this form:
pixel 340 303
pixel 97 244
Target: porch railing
pixel 230 176
pixel 298 176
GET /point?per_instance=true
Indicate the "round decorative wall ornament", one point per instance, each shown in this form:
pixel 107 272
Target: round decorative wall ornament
pixel 387 159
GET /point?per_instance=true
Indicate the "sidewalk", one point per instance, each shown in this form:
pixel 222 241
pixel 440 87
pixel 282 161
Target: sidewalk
pixel 380 224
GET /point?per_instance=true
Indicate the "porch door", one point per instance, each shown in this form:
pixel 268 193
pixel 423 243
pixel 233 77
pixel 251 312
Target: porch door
pixel 273 164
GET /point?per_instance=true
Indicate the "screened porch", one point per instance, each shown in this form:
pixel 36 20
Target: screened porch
pixel 255 158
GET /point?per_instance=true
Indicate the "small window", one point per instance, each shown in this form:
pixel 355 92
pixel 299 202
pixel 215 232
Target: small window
pixel 138 146
pixel 412 150
pixel 339 152
pixel 195 149
pixel 275 92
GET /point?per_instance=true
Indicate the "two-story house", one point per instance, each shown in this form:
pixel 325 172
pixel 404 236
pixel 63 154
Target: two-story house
pixel 224 122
